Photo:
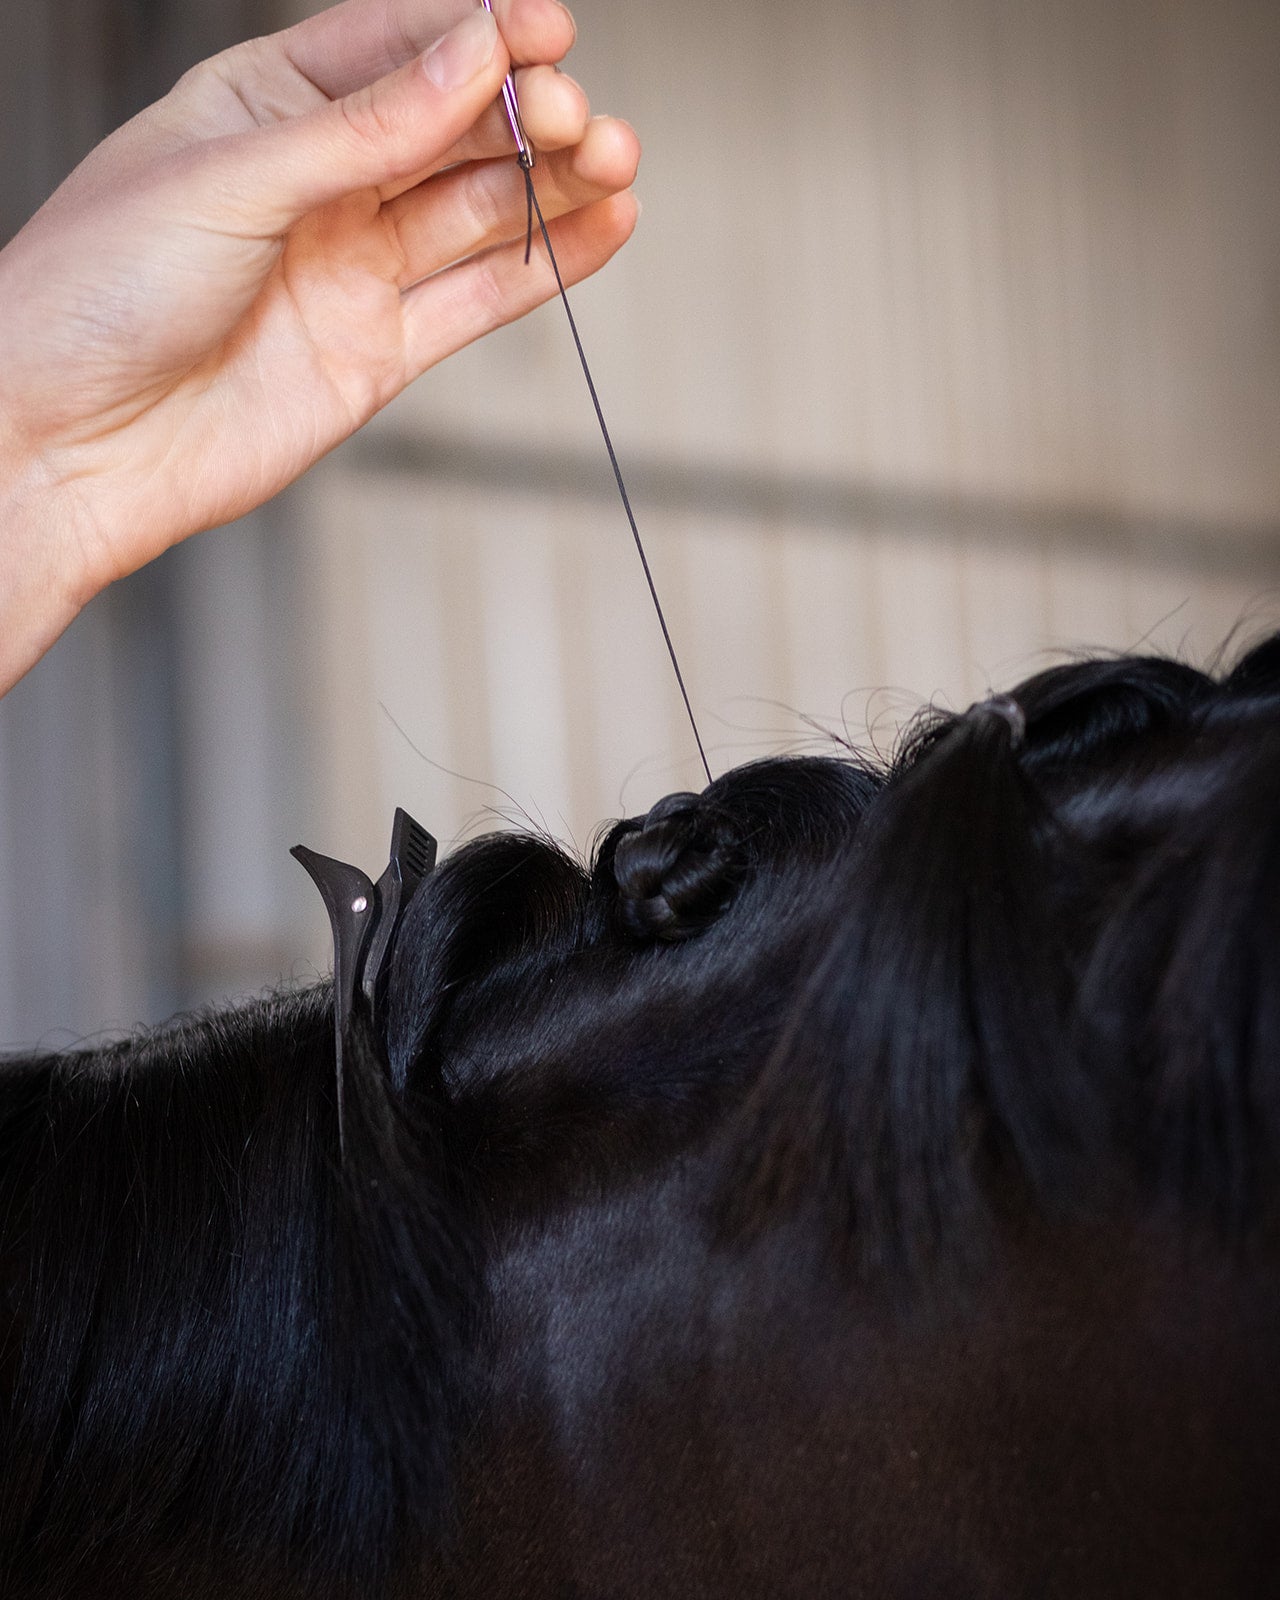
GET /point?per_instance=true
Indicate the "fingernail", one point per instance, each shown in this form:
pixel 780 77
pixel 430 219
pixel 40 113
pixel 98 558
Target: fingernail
pixel 463 53
pixel 572 22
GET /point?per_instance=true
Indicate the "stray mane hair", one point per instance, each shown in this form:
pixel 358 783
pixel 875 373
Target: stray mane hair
pixel 936 1097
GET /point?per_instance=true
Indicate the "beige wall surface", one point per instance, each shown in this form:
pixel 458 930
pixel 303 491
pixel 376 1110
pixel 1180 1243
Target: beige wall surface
pixel 1017 249
pixel 949 341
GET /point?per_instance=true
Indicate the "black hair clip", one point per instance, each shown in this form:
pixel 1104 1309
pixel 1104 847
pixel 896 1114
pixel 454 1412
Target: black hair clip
pixel 365 918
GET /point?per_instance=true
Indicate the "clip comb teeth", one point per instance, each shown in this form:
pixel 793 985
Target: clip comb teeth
pixel 413 846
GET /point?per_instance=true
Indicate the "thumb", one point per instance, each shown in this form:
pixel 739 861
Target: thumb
pixel 388 131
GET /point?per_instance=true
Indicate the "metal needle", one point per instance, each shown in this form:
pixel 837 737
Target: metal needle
pixel 512 102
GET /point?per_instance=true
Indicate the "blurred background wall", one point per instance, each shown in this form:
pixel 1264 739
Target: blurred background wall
pixel 950 341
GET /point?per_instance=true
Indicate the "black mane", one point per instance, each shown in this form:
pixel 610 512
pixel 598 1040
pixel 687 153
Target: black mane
pixel 1026 967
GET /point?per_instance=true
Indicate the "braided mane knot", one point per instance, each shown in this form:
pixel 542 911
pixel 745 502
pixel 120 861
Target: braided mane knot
pixel 677 869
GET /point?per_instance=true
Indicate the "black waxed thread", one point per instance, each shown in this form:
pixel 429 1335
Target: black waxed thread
pixel 534 207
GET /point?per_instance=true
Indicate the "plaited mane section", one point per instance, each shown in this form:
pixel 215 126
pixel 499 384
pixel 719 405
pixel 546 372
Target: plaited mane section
pixel 860 1017
pixel 1044 965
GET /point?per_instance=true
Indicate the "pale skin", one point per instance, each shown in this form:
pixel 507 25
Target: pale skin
pixel 239 278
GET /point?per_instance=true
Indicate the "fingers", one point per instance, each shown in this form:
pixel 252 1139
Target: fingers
pixel 458 306
pixel 351 45
pixel 381 135
pixel 474 207
pixel 553 108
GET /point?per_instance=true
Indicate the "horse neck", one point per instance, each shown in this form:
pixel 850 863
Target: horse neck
pixel 1089 1413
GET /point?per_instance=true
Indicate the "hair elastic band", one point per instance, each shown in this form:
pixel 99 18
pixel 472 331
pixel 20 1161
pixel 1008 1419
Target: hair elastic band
pixel 1008 710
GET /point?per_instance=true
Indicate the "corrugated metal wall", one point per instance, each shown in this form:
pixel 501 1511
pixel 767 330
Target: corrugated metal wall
pixel 950 339
pixel 102 745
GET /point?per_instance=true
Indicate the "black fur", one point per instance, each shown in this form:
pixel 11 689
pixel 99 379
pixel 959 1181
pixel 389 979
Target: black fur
pixel 839 1106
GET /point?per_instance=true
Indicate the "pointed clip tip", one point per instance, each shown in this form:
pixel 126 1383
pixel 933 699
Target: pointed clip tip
pixel 365 917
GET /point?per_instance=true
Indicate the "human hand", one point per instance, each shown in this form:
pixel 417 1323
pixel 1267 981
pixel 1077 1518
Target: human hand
pixel 244 274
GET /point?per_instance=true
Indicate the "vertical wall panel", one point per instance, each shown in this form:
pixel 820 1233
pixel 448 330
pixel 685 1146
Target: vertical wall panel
pixel 948 342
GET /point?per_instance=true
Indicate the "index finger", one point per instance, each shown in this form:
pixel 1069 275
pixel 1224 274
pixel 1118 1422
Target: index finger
pixel 354 44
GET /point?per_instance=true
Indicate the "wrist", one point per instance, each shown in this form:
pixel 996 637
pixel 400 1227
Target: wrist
pixel 45 572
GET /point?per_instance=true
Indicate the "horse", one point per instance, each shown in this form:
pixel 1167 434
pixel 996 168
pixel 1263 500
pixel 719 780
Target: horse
pixel 859 1179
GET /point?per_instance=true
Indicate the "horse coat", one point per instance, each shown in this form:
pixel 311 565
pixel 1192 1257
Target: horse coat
pixel 860 1180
